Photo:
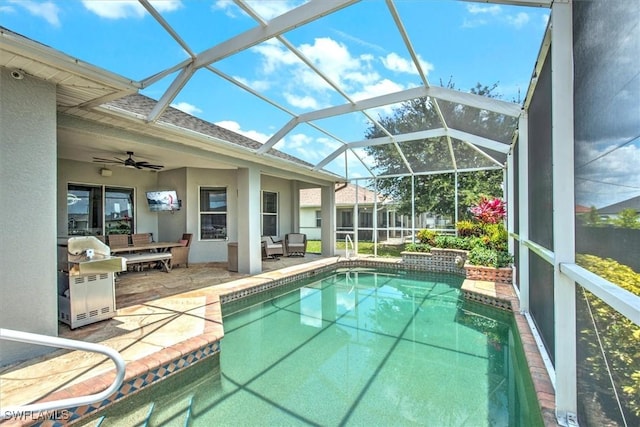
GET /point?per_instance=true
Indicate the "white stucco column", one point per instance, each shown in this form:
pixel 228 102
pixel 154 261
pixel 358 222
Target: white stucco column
pixel 328 232
pixel 249 245
pixel 28 250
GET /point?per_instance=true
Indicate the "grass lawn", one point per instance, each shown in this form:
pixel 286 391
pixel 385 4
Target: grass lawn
pixel 364 248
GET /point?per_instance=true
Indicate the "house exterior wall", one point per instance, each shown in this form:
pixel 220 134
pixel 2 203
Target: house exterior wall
pixel 171 225
pixel 308 222
pixel 28 284
pixel 285 200
pixel 210 250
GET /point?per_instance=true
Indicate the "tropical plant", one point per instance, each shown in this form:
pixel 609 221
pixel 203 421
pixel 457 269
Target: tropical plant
pixel 489 211
pixel 427 236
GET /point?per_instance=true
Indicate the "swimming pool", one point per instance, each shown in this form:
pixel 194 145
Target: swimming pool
pixel 353 347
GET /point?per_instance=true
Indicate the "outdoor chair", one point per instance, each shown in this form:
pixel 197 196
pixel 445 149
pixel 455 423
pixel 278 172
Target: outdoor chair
pixel 140 239
pixel 295 244
pixel 118 241
pixel 180 254
pixel 272 249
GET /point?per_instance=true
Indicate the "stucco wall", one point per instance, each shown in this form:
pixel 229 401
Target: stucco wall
pixel 28 283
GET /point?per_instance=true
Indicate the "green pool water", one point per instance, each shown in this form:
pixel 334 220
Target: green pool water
pixel 356 347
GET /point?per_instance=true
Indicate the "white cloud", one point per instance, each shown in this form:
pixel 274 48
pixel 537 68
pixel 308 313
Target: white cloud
pixel 519 20
pixel 257 85
pixel 235 127
pixel 611 178
pixel 270 9
pixel 47 10
pixel 305 102
pixel 395 62
pixel 484 15
pixel 110 9
pixel 266 9
pixel 187 108
pixel 476 9
pixel 381 87
pixel 274 56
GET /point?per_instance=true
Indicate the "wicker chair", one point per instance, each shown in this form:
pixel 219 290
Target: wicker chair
pixel 117 241
pixel 140 239
pixel 295 244
pixel 271 249
pixel 180 254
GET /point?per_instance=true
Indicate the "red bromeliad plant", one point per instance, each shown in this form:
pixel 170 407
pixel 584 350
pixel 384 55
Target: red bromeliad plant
pixel 489 211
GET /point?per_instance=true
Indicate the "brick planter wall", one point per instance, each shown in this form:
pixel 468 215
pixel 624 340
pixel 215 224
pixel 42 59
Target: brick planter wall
pixel 440 260
pixel 444 260
pixel 489 274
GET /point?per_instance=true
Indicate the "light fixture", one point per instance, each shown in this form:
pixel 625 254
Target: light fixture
pixel 17 74
pixel 106 172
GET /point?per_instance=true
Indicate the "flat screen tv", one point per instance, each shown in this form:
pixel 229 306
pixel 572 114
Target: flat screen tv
pixel 164 200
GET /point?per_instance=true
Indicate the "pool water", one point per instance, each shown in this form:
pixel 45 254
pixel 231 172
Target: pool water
pixel 355 347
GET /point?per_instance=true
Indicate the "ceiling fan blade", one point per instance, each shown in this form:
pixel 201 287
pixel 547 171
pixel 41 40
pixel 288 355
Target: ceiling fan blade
pixel 101 160
pixel 145 164
pixel 128 162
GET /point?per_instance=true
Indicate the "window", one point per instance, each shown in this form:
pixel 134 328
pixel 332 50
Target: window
pixel 269 213
pixel 319 219
pixel 213 213
pixel 98 210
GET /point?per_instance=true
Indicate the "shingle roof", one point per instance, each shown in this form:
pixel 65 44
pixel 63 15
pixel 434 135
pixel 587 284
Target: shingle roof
pixel 143 105
pixel 632 203
pixel 345 195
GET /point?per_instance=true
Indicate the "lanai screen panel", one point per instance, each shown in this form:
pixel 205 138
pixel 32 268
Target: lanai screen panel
pixel 480 122
pixel 540 200
pixel 471 157
pixel 428 155
pixel 383 159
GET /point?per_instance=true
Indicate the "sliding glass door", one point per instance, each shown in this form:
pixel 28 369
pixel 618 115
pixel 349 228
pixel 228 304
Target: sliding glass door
pixel 98 210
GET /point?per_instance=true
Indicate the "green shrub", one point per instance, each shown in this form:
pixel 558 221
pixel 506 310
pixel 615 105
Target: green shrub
pixel 453 242
pixel 469 228
pixel 618 335
pixel 417 247
pixel 496 237
pixel 489 257
pixel 427 236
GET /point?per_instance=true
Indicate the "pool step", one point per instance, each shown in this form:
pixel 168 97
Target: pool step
pixel 176 414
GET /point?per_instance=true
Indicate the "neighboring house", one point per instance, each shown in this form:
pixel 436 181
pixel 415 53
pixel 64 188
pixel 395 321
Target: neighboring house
pixel 612 211
pixel 390 224
pixel 346 198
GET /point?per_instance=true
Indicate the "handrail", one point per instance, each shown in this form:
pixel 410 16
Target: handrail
pixel 31 338
pixel 348 240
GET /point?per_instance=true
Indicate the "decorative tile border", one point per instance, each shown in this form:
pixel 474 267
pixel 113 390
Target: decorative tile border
pixel 132 385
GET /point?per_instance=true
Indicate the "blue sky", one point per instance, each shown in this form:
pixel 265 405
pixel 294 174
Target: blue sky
pixel 357 47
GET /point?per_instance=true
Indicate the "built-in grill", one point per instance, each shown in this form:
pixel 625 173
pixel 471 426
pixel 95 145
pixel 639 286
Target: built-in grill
pixel 86 281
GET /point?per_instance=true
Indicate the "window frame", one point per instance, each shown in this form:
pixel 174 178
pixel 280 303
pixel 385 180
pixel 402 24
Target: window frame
pixel 103 189
pixel 223 235
pixel 264 213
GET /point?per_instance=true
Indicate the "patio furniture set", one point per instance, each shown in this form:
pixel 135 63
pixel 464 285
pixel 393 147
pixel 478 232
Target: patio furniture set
pixel 294 244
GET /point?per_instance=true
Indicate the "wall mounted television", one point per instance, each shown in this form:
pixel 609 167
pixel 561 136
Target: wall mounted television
pixel 163 200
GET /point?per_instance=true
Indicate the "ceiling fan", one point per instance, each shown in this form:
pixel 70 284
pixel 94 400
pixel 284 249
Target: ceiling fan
pixel 128 162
